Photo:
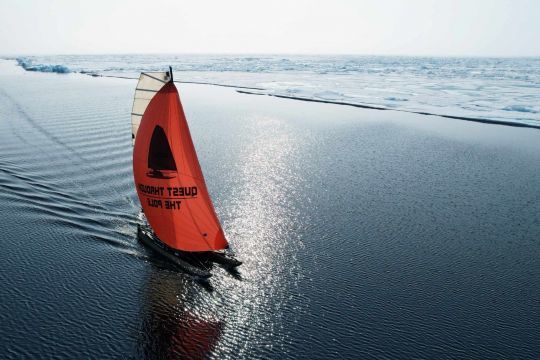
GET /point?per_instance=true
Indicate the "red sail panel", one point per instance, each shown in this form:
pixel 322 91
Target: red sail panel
pixel 169 180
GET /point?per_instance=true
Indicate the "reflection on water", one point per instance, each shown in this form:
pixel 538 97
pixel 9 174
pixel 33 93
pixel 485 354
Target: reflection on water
pixel 260 213
pixel 257 219
pixel 169 330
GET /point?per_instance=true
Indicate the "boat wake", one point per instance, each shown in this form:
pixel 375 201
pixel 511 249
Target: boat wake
pixel 47 176
pixel 63 208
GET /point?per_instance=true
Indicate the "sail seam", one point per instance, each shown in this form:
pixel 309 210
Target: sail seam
pixel 155 78
pixel 170 198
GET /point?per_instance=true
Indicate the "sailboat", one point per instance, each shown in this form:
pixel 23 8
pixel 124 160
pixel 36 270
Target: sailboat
pixel 181 222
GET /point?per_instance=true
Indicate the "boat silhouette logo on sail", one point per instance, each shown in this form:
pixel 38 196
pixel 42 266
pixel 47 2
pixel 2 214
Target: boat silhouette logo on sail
pixel 161 162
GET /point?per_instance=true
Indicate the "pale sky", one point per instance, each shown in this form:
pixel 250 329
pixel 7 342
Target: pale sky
pixel 386 27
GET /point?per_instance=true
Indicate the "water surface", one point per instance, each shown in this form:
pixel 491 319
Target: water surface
pixel 364 234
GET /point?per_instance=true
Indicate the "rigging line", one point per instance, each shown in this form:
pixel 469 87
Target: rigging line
pixel 184 82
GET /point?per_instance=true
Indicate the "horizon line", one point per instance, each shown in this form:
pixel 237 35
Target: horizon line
pixel 4 55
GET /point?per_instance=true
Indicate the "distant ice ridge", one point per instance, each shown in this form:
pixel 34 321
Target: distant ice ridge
pixel 505 89
pixel 27 64
pixel 521 108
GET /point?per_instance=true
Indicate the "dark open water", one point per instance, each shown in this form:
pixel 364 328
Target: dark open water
pixel 365 234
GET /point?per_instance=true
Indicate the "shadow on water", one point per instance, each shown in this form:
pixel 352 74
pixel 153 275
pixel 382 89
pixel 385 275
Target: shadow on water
pixel 234 273
pixel 168 328
pixel 162 264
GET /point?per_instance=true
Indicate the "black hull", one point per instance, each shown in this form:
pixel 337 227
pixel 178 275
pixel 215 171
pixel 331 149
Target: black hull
pixel 196 264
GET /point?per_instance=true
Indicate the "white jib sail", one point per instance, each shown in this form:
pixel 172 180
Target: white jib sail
pixel 149 84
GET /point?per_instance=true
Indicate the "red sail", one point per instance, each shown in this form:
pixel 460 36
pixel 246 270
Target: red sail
pixel 169 180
